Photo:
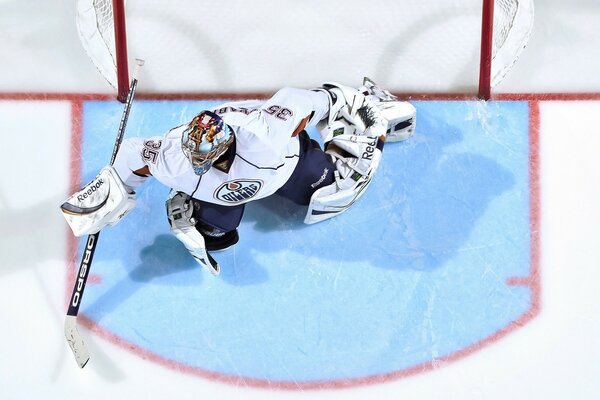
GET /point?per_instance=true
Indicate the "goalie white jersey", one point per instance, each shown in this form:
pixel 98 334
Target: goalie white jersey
pixel 259 162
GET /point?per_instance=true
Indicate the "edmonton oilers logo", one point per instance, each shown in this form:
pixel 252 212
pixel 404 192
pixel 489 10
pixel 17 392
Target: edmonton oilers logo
pixel 237 191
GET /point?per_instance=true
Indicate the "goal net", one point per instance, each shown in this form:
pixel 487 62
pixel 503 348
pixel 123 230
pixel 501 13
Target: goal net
pixel 513 22
pixel 240 46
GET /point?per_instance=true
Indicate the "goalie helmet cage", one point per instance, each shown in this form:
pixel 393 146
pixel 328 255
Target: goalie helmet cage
pixel 505 27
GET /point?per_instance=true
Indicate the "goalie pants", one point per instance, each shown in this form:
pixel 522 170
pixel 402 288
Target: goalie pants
pixel 218 224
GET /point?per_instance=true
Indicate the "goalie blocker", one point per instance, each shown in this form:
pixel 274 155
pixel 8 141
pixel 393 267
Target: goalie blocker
pixel 103 201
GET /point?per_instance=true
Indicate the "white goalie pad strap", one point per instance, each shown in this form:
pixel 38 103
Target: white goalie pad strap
pixel 353 176
pixel 360 147
pixel 194 243
pixel 104 201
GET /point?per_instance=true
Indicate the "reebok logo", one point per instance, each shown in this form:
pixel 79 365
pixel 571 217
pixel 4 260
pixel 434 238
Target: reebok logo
pixel 321 179
pixel 369 150
pixel 92 187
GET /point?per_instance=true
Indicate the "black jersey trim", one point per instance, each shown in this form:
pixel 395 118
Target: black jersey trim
pixel 273 168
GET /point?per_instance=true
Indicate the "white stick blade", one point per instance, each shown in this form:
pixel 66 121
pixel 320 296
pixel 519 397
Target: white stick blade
pixel 75 340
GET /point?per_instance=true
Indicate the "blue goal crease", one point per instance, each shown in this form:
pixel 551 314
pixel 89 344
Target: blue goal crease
pixel 416 270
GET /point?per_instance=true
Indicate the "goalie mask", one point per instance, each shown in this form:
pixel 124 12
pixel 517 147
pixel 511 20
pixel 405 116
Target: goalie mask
pixel 204 140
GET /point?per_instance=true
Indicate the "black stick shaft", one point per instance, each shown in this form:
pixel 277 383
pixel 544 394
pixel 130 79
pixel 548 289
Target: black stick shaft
pixel 124 119
pixel 82 275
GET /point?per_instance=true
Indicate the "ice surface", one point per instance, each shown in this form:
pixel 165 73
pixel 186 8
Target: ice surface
pixel 431 288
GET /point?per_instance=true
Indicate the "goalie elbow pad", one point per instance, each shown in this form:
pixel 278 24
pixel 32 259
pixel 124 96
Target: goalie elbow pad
pixel 104 201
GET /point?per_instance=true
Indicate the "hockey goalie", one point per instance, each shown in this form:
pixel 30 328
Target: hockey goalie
pixel 247 150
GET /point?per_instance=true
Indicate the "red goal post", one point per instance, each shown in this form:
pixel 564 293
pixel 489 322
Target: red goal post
pixel 400 43
pixel 506 26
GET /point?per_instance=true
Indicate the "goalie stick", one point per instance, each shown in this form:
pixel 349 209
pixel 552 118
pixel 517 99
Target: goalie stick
pixel 72 335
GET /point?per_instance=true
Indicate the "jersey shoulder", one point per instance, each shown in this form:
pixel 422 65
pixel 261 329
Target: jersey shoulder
pixel 163 154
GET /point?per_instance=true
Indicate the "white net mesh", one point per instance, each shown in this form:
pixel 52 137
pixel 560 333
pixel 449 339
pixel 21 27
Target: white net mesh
pixel 259 46
pixel 96 32
pixel 513 22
